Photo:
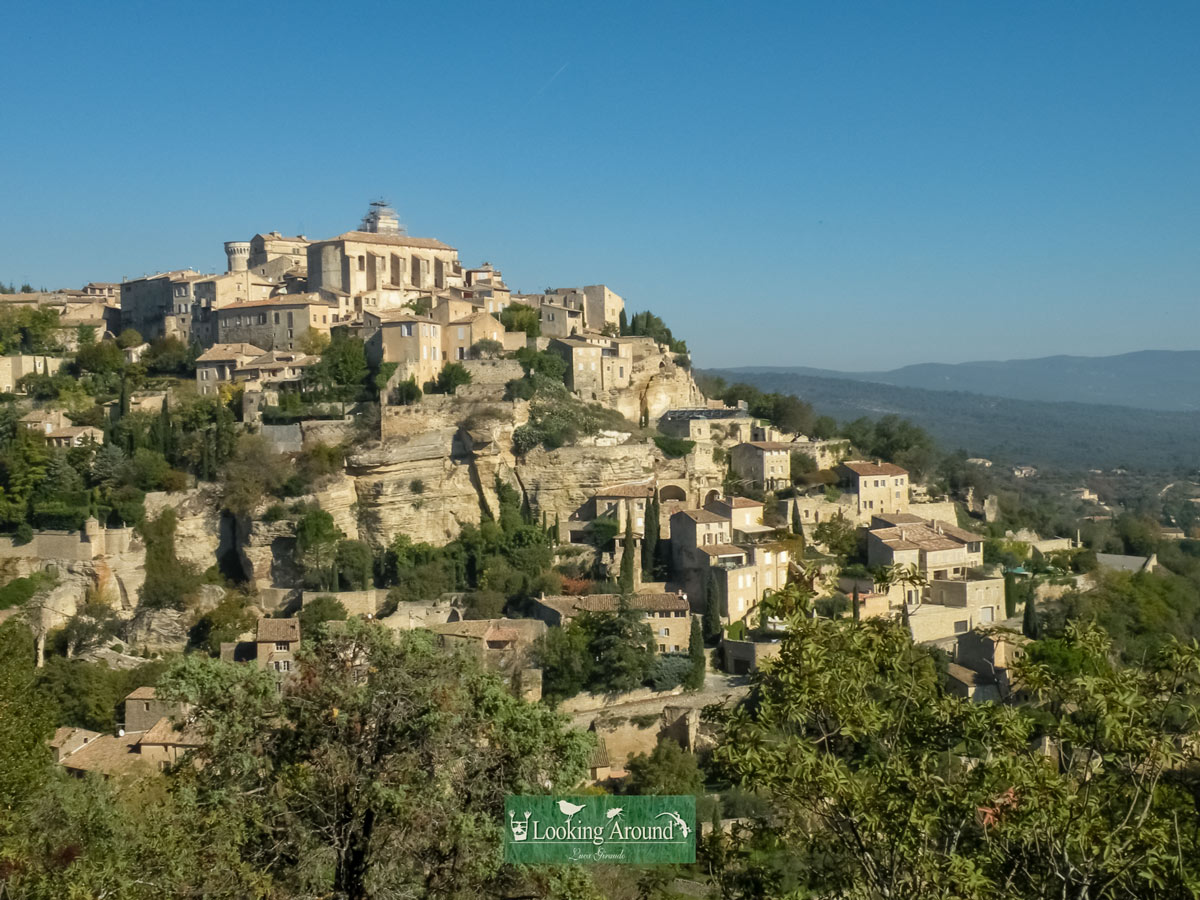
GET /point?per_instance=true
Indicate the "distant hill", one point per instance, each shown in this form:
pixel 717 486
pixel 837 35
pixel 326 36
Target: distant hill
pixel 1148 379
pixel 1065 435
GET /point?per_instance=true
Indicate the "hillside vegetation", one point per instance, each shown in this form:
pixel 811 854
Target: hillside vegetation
pixel 1067 435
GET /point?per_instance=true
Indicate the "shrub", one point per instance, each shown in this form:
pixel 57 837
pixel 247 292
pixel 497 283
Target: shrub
pixel 673 447
pixel 417 486
pixel 669 671
pixel 275 512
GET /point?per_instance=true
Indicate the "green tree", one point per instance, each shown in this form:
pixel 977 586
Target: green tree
pixel 1010 595
pixel 839 535
pixel 317 541
pixel 881 784
pixel 669 769
pixel 254 470
pixel 622 647
pixel 712 608
pixel 626 579
pixel 453 376
pixel 25 720
pixel 563 655
pixel 519 317
pixel 169 580
pixel 354 564
pixel 650 537
pixel 129 338
pixel 695 679
pixel 394 771
pixel 319 610
pixel 1031 625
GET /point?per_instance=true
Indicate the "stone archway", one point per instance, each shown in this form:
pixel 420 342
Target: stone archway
pixel 672 492
pixel 711 496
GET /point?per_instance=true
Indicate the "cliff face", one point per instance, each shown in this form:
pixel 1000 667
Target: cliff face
pixel 657 384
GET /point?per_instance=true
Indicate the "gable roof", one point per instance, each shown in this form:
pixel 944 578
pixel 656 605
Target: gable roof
pixel 395 240
pixel 702 515
pixel 569 605
pixel 228 352
pixel 866 468
pixel 142 693
pixel 270 630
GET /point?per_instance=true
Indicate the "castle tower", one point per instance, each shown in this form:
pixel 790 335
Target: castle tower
pixel 381 219
pixel 238 255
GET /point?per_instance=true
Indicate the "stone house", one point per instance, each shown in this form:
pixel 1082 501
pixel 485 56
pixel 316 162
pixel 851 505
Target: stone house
pixel 503 646
pixel 708 424
pixel 14 368
pixel 218 364
pixel 938 549
pixel 277 368
pixel 381 271
pixel 275 323
pixel 147 302
pixel 764 464
pixel 276 642
pixel 588 308
pixel 155 735
pixel 462 334
pixel 624 503
pixel 400 336
pixel 880 487
pixel 595 364
pixel 667 614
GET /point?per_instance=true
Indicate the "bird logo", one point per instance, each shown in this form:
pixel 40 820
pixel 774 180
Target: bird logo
pixel 675 817
pixel 569 810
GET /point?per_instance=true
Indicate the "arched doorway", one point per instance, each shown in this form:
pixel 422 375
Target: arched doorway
pixel 671 492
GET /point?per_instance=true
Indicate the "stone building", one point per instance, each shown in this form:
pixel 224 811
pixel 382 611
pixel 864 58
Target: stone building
pixel 765 465
pixel 381 271
pixel 460 335
pixel 276 323
pixel 716 425
pixel 567 311
pixel 413 342
pixel 667 614
pixel 595 364
pixel 880 487
pixel 218 364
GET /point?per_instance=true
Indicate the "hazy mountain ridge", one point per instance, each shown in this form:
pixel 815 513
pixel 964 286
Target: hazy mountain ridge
pixel 1066 435
pixel 1167 380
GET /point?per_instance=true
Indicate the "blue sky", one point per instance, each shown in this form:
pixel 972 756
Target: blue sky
pixel 842 185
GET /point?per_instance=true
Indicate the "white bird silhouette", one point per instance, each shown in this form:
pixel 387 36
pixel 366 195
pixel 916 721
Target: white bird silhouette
pixel 614 812
pixel 568 809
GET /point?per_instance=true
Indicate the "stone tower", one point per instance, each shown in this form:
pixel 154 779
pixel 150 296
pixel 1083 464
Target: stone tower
pixel 238 255
pixel 381 219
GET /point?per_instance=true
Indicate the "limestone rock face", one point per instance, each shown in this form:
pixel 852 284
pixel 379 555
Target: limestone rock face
pixel 561 482
pixel 266 551
pixel 199 535
pixel 158 630
pixel 422 485
pixel 657 384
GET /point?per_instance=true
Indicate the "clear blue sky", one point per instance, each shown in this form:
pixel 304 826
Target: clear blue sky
pixel 844 185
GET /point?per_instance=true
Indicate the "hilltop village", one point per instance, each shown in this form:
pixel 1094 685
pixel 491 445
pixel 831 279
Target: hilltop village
pixel 352 473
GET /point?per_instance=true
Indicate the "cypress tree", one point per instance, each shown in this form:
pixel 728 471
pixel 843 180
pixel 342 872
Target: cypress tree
pixel 857 610
pixel 123 406
pixel 626 578
pixel 623 323
pixel 797 528
pixel 1010 595
pixel 1030 626
pixel 695 678
pixel 712 608
pixel 650 537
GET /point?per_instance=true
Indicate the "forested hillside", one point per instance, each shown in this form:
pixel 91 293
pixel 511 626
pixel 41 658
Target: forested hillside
pixel 1066 435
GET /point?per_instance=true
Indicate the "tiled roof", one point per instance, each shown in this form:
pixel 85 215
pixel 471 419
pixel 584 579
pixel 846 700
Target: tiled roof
pixel 740 502
pixel 866 468
pixel 769 445
pixel 721 550
pixel 627 490
pixel 164 732
pixel 395 240
pixel 916 537
pixel 142 693
pixel 702 515
pixel 228 352
pixel 109 755
pixel 571 605
pixel 66 734
pixel 308 299
pixel 269 629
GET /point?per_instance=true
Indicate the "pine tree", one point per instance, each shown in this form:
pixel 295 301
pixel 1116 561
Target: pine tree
pixel 123 406
pixel 695 678
pixel 1010 595
pixel 712 608
pixel 650 538
pixel 625 581
pixel 1031 627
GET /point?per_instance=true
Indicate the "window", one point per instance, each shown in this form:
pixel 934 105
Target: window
pixel 462 333
pixel 960 627
pixel 146 706
pixel 276 318
pixel 362 264
pixel 680 613
pixel 662 648
pixel 281 645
